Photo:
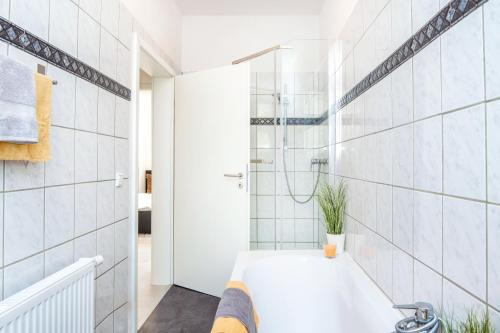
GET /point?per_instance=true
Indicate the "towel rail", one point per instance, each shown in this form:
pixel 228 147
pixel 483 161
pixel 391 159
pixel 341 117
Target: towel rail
pixel 41 70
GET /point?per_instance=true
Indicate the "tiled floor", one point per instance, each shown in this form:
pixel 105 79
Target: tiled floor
pixel 148 295
pixel 182 311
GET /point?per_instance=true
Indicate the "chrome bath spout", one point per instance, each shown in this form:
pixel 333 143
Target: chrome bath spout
pixel 425 319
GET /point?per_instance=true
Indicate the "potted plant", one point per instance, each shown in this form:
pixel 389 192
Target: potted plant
pixel 475 323
pixel 332 201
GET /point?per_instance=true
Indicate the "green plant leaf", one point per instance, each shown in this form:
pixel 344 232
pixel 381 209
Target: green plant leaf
pixel 474 323
pixel 332 201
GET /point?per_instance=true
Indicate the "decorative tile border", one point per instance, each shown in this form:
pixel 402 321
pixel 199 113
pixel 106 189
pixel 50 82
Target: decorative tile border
pixel 22 39
pixel 290 121
pixel 440 23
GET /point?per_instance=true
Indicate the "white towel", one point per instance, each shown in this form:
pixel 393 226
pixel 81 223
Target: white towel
pixel 18 123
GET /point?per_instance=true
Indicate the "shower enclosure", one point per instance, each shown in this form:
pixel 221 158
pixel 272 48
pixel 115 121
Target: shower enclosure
pixel 289 144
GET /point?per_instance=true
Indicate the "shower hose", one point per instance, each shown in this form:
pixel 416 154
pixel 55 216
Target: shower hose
pixel 288 182
pixel 284 148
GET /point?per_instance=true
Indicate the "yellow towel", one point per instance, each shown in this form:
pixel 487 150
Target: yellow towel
pixel 38 152
pixel 233 325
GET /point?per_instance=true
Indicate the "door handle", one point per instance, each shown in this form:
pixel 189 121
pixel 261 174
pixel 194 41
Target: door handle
pixel 238 175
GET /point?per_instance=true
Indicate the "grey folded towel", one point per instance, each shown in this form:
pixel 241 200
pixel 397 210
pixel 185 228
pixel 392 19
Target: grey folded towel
pixel 18 123
pixel 235 303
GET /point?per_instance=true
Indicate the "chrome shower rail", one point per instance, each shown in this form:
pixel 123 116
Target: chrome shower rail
pixel 260 53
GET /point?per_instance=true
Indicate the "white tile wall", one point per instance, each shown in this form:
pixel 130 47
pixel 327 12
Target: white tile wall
pixel 85 246
pixel 105 157
pixel 63 98
pixel 4 8
pixel 23 224
pixel 106 246
pixel 85 208
pixel 126 24
pixel 402 92
pixel 32 15
pixel 104 296
pixel 20 175
pixel 428 154
pixel 86 106
pixel 493 153
pixel 59 214
pixel 120 320
pixel 121 201
pixel 464 247
pixel 52 214
pixel 428 229
pixel 422 176
pixel 464 153
pixel 63 25
pixel 58 257
pixel 428 285
pixel 403 219
pixel 492 48
pixel 85 157
pixel 384 211
pixel 121 240
pixel 105 203
pixel 401 21
pixel 89 38
pixel 22 274
pixel 494 255
pixel 459 300
pixel 384 265
pixel 60 169
pixel 109 15
pixel 422 11
pixel 403 277
pixel 402 156
pixel 462 58
pixel 427 81
pixel 121 284
pixel 106 325
pixel 92 7
pixel 108 53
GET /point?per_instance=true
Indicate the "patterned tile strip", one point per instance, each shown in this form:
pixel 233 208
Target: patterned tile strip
pixel 290 121
pixel 22 39
pixel 447 17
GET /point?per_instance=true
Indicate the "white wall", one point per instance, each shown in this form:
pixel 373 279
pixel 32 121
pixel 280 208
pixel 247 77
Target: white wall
pixel 144 138
pixel 162 21
pixel 333 17
pixel 212 41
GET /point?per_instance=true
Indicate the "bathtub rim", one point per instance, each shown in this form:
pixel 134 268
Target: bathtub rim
pixel 246 259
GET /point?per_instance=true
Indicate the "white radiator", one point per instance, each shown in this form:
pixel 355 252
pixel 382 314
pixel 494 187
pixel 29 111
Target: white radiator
pixel 60 303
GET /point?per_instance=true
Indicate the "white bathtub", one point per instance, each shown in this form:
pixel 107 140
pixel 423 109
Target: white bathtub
pixel 300 291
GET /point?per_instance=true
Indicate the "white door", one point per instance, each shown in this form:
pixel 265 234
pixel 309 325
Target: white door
pixel 211 200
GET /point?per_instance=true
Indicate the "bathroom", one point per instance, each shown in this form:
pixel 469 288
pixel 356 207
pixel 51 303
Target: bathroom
pixel 392 105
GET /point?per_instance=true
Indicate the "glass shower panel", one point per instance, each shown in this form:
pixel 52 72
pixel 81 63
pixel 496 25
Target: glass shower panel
pixel 289 146
pixel 263 152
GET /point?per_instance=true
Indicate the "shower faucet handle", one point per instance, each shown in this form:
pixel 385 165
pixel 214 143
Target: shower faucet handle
pixel 424 312
pixel 318 161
